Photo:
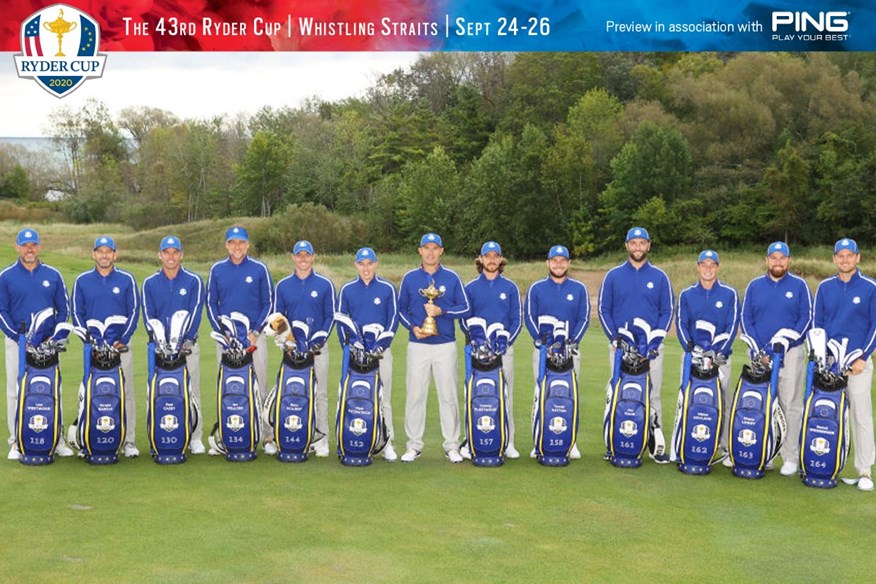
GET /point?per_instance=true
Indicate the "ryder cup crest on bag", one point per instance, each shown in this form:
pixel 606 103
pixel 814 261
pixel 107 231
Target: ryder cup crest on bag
pixel 359 423
pixel 291 405
pixel 237 431
pixel 699 412
pixel 38 419
pixel 555 408
pixel 757 422
pixel 824 434
pixel 171 412
pixel 99 430
pixel 486 413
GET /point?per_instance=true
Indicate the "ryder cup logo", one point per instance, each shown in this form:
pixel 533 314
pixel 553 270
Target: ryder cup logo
pixel 169 423
pixel 701 433
pixel 59 49
pixel 558 425
pixel 358 426
pixel 234 423
pixel 486 424
pixel 628 428
pixel 293 423
pixel 105 424
pixel 38 423
pixel 820 446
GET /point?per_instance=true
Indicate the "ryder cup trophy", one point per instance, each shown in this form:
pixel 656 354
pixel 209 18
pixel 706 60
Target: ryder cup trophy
pixel 60 27
pixel 430 327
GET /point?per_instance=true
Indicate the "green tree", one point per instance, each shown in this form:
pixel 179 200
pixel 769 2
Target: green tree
pixel 260 186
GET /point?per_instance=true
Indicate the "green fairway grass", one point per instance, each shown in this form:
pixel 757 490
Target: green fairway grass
pixel 209 520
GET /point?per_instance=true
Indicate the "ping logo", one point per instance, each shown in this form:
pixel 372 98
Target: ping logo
pixel 805 21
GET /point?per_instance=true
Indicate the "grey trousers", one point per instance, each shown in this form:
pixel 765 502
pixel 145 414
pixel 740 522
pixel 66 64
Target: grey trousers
pixel 424 362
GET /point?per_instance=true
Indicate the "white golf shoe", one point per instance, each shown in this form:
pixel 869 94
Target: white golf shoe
pixel 865 483
pixel 197 447
pixel 389 453
pixel 14 453
pixel 788 469
pixel 63 450
pixel 130 450
pixel 321 447
pixel 270 448
pixel 511 452
pixel 454 456
pixel 410 455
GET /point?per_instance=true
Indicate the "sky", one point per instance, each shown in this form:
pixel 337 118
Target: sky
pixel 197 85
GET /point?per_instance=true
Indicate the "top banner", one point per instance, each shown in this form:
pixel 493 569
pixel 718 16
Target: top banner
pixel 458 25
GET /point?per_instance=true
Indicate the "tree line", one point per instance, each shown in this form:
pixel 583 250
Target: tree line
pixel 528 149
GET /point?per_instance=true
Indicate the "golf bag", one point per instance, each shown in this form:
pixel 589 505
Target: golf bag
pixel 626 421
pixel 291 405
pixel 699 414
pixel 99 429
pixel 238 406
pixel 237 432
pixel 38 419
pixel 171 412
pixel 486 412
pixel 824 434
pixel 757 422
pixel 359 422
pixel 555 412
pixel 100 425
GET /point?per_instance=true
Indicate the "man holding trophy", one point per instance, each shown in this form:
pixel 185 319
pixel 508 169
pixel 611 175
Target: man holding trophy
pixel 431 297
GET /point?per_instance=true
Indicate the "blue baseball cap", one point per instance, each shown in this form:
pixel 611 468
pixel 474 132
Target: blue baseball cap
pixel 779 246
pixel 708 255
pixel 491 246
pixel 237 233
pixel 558 250
pixel 365 253
pixel 105 241
pixel 27 236
pixel 845 243
pixel 170 242
pixel 431 238
pixel 302 245
pixel 638 232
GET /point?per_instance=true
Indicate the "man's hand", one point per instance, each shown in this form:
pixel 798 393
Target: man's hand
pixel 418 332
pixel 433 310
pixel 252 338
pixel 857 367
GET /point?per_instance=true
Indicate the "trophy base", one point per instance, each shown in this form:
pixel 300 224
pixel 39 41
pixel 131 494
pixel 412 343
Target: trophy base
pixel 430 327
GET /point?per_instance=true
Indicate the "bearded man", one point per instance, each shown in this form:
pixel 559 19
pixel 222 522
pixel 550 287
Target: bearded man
pixel 777 314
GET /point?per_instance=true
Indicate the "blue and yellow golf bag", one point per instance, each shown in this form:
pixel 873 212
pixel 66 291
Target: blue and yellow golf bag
pixel 359 423
pixel 171 414
pixel 555 415
pixel 627 417
pixel 291 407
pixel 38 419
pixel 824 434
pixel 699 414
pixel 100 426
pixel 486 412
pixel 238 428
pixel 757 422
